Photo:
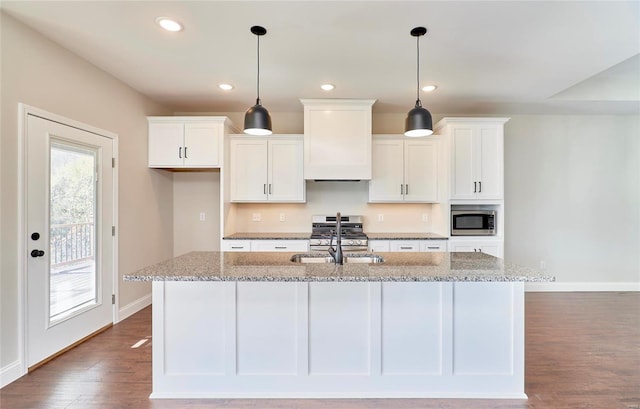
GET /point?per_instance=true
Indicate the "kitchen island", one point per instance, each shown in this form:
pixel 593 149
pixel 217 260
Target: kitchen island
pixel 257 325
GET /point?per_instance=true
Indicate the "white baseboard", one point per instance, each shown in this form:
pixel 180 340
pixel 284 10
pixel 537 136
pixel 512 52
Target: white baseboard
pixel 582 286
pixel 10 373
pixel 133 307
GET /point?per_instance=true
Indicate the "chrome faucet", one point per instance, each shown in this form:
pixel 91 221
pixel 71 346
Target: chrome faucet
pixel 337 252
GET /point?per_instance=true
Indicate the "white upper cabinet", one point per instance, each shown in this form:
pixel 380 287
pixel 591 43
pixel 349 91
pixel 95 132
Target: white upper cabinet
pixel 186 142
pixel 266 169
pixel 404 170
pixel 477 157
pixel 337 139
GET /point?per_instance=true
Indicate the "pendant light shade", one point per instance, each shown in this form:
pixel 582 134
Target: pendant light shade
pixel 418 122
pixel 257 120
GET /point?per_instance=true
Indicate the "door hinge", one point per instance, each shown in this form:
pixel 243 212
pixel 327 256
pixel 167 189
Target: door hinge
pixel 113 230
pixel 113 162
pixel 113 299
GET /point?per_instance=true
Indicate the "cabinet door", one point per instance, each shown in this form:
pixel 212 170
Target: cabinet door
pixel 379 245
pixel 405 245
pixel 489 149
pixel 166 140
pixel 462 163
pixel 421 171
pixel 201 145
pixel 286 179
pixel 386 184
pixel 248 173
pixel 493 247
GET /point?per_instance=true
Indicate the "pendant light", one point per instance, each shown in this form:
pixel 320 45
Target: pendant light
pixel 257 120
pixel 418 122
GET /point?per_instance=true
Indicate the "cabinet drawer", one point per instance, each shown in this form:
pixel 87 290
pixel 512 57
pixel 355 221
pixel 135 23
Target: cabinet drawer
pixel 236 245
pixel 279 245
pixel 405 245
pixel 433 245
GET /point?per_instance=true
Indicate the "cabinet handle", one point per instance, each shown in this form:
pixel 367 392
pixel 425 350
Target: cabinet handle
pixel 406 189
pixel 269 188
pixel 281 247
pixel 475 187
pixel 433 247
pixel 180 152
pixel 406 248
pixel 264 188
pixel 237 247
pixel 401 189
pixel 480 184
pixel 185 152
pixel 479 250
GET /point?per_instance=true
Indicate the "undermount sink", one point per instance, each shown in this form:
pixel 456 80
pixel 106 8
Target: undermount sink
pixel 365 258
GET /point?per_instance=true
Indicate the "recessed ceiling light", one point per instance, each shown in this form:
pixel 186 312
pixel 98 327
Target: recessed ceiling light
pixel 429 88
pixel 225 87
pixel 327 87
pixel 169 24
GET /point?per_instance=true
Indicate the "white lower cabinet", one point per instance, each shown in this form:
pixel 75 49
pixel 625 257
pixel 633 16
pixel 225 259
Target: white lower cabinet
pixel 279 245
pixel 407 245
pixel 265 245
pixel 492 247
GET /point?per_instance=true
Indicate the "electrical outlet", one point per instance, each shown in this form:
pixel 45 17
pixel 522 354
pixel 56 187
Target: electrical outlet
pixel 380 217
pixel 425 217
pixel 256 217
pixel 283 217
pixel 203 216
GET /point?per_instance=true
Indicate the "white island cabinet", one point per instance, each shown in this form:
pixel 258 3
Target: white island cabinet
pixel 256 325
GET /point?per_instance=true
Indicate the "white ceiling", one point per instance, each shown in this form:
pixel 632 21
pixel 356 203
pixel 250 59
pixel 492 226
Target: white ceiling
pixel 487 57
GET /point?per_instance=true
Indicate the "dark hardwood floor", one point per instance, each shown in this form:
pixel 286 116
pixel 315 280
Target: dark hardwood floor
pixel 582 351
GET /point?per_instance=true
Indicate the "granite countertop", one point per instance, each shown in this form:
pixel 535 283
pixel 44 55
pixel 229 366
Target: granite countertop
pixel 267 236
pixel 405 236
pixel 276 266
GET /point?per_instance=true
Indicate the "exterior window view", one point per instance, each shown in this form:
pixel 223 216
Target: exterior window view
pixel 311 204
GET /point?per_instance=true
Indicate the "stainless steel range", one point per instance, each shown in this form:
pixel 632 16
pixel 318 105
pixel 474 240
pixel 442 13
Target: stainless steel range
pixel 323 233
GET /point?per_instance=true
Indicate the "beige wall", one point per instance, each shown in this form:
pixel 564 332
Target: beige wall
pixel 195 193
pixel 38 72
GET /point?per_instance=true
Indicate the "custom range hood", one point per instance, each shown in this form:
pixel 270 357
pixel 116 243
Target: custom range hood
pixel 337 139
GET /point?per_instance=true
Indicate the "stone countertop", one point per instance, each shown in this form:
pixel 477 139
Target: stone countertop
pixel 405 236
pixel 276 266
pixel 267 236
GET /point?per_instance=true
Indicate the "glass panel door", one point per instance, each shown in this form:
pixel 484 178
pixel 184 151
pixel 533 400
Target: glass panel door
pixel 72 215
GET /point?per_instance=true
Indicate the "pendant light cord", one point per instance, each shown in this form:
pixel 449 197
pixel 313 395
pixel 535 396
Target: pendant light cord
pixel 418 103
pixel 258 80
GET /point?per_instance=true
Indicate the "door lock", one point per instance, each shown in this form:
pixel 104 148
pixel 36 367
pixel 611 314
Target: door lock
pixel 37 253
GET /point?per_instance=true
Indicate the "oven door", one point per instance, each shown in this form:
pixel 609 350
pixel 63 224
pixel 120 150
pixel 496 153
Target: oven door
pixel 470 223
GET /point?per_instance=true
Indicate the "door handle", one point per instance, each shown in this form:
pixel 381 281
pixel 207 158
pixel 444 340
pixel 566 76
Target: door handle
pixel 37 253
pixel 480 185
pixel 475 187
pixel 180 152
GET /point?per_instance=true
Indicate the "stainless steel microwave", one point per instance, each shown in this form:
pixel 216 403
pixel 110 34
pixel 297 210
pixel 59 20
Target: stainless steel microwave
pixel 473 222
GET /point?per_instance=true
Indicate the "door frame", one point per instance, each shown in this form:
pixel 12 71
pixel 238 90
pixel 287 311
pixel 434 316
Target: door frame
pixel 24 111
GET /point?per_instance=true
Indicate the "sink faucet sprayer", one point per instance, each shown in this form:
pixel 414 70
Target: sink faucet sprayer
pixel 337 252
